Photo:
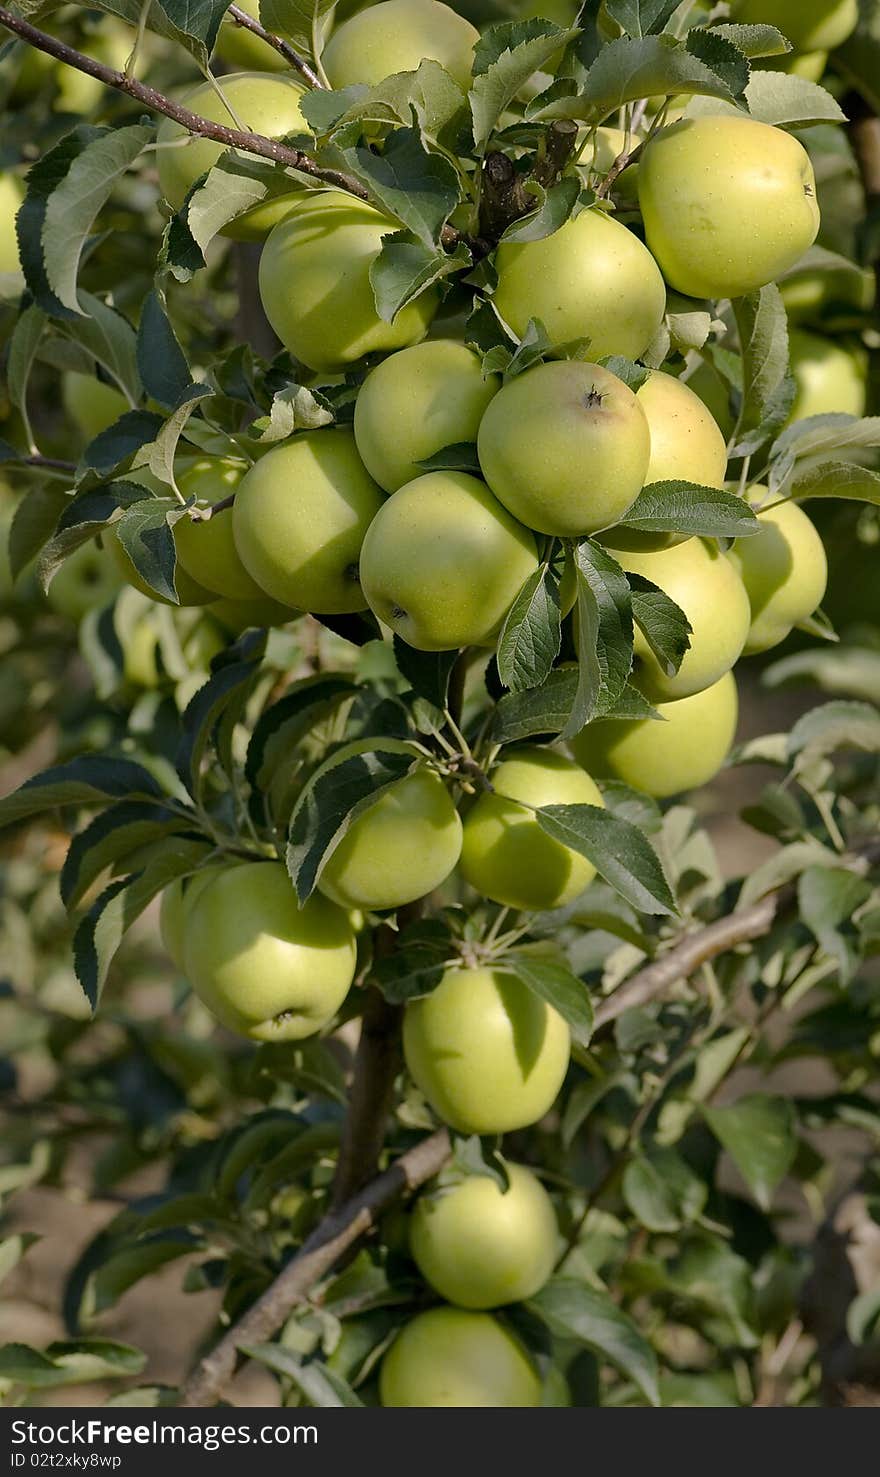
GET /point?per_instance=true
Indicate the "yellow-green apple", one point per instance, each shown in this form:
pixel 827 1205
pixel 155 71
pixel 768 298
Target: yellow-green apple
pixel 10 200
pixel 592 279
pixel 480 1246
pixel 76 91
pixel 86 580
pixel 728 203
pixel 395 36
pixel 827 294
pixel 260 102
pixel 453 1357
pixel 299 520
pixel 686 445
pixel 402 847
pixel 443 561
pixel 205 547
pixel 239 47
pixel 829 376
pixel 91 405
pixel 236 615
pixel 808 24
pixel 415 403
pixel 707 587
pixel 711 387
pixel 488 1055
pixel 326 245
pixel 807 64
pixel 565 447
pixel 682 752
pixel 784 570
pixel 265 966
pixel 505 855
pixel 177 898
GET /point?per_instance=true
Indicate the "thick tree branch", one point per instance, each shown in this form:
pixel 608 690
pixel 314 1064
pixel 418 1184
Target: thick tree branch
pixel 327 1244
pixel 248 22
pixel 377 1063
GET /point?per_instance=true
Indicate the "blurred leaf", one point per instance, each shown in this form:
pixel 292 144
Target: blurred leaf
pixel 662 1191
pixel 591 1317
pixel 77 1362
pixel 759 1133
pixel 87 780
pixel 318 1383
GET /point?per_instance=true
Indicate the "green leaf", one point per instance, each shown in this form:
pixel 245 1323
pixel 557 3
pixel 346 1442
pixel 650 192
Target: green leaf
pixel 419 189
pixel 788 101
pixel 721 56
pixel 558 987
pixel 555 208
pixel 427 672
pixel 767 389
pixel 226 689
pixel 837 479
pixel 618 850
pixel 293 17
pixel 234 184
pixel 145 532
pixel 12 1249
pixel 541 710
pixel 827 900
pixel 505 58
pixel 76 200
pixel 590 1316
pixel 303 704
pixel 114 447
pixel 832 726
pixel 662 1191
pixel 33 523
pixel 21 353
pixel 88 780
pixel 531 635
pixel 759 1134
pixel 754 40
pixel 159 454
pixel 108 336
pixel 44 177
pixel 633 375
pixel 293 409
pixel 162 365
pixel 641 17
pixel 631 805
pixel 663 624
pixel 406 267
pixel 116 833
pixel 320 1384
pixel 604 619
pixel 461 456
pixel 417 965
pixel 626 70
pixel 334 797
pixel 685 507
pixel 77 1362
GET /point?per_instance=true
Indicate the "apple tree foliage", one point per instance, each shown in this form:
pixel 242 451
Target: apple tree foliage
pixel 693 1153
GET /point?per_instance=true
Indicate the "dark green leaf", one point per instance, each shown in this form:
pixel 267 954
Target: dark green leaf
pixel 145 532
pixel 406 267
pixel 417 964
pixel 320 1384
pixel 419 189
pixel 303 704
pixel 427 672
pixel 461 456
pixel 722 57
pixel 759 1133
pixel 163 368
pixel 505 57
pixel 604 617
pixel 685 507
pixel 663 624
pixel 116 833
pixel 662 1191
pixel 591 1317
pixel 531 635
pixel 618 850
pixel 88 780
pixel 558 987
pixel 228 686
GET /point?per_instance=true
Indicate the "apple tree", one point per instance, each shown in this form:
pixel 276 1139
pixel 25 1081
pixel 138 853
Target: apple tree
pixel 423 430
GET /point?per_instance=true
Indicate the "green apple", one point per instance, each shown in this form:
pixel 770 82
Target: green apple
pixel 545 428
pixel 443 561
pixel 395 36
pixel 206 548
pixel 729 204
pixel 807 64
pixel 140 654
pixel 488 1055
pixel 299 520
pixel 592 279
pixel 686 446
pixel 77 92
pixel 828 295
pixel 10 200
pixel 239 47
pixel 808 24
pixel 452 1357
pixel 326 245
pixel 505 855
pixel 263 102
pixel 683 752
pixel 402 847
pixel 829 376
pixel 417 402
pixel 712 388
pixel 189 591
pixel 86 581
pixel 264 966
pixel 784 570
pixel 480 1246
pixel 237 615
pixel 705 585
pixel 177 898
pixel 91 405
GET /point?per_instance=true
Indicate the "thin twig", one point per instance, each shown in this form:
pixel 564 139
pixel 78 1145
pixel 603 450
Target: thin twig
pixel 45 463
pixel 320 1253
pixel 284 48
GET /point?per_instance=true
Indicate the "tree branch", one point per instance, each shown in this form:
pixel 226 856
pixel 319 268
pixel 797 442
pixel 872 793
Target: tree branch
pixel 320 1253
pixel 377 1063
pixel 249 23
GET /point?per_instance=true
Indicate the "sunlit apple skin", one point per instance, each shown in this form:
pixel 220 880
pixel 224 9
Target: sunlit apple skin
pixel 443 561
pixel 707 587
pixel 206 549
pixel 488 1055
pixel 264 966
pixel 829 376
pixel 729 204
pixel 686 446
pixel 86 581
pixel 91 405
pixel 808 24
pixel 479 1246
pixel 565 447
pixel 505 855
pixel 683 752
pixel 299 520
pixel 784 570
pixel 177 898
pixel 394 37
pixel 265 103
pixel 453 1357
pixel 592 279
pixel 241 48
pixel 10 200
pixel 325 246
pixel 417 402
pixel 401 848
